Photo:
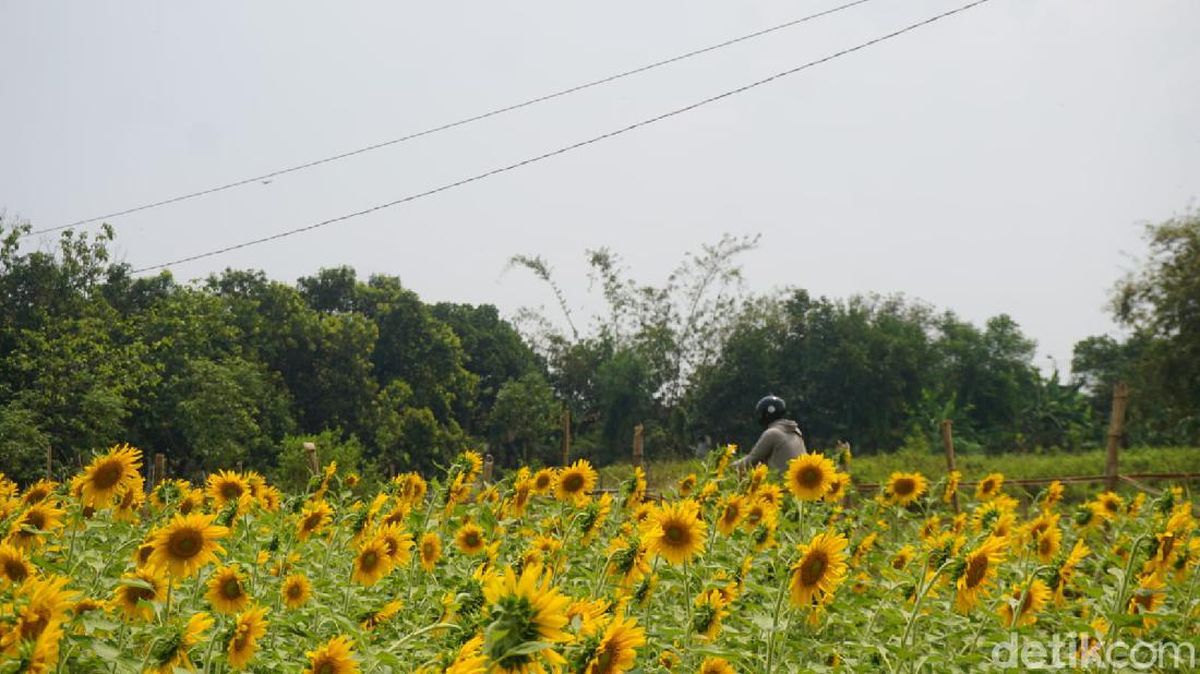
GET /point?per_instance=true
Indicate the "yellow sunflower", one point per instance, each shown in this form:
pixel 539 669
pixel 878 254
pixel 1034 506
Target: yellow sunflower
pixel 399 543
pixel 1032 599
pixel 174 651
pixel 108 473
pixel 372 562
pixel 470 659
pixel 44 602
pixel 38 491
pixel 470 539
pixel 135 591
pixel 249 627
pixel 905 488
pixel 575 482
pixel 716 666
pixel 711 607
pixel 730 514
pixel 1111 505
pixel 809 476
pixel 951 486
pixel 28 527
pixel 225 486
pixel 618 646
pixel 186 544
pixel 1054 494
pixel 191 501
pixel 820 569
pixel 543 481
pixel 227 590
pixel 431 550
pixel 903 557
pixel 675 531
pixel 687 484
pixel 837 487
pixel 315 516
pixel 296 590
pixel 384 614
pixel 333 657
pixel 14 568
pixel 989 487
pixel 1048 544
pixel 527 616
pixel 978 568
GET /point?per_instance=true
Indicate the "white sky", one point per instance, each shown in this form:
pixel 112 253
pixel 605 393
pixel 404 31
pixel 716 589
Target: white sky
pixel 1001 160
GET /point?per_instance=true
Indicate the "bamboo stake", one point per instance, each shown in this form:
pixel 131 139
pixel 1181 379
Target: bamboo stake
pixel 489 466
pixel 1116 431
pixel 310 449
pixel 160 469
pixel 637 445
pixel 948 444
pixel 566 437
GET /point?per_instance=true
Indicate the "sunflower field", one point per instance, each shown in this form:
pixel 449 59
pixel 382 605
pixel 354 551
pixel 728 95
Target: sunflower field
pixel 726 571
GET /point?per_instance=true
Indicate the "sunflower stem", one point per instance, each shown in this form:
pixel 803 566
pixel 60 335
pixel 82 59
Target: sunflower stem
pixel 170 584
pixel 1119 600
pixel 687 597
pixel 775 621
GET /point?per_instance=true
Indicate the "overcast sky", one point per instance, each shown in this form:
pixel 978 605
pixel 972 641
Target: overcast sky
pixel 1003 160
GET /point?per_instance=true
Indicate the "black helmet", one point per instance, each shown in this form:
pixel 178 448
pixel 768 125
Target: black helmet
pixel 769 409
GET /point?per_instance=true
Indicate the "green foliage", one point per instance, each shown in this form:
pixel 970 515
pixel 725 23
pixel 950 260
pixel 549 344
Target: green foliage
pixel 523 421
pixel 1160 360
pixel 293 473
pixel 22 444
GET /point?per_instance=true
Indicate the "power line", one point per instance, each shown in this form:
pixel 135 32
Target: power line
pixel 461 122
pixel 568 148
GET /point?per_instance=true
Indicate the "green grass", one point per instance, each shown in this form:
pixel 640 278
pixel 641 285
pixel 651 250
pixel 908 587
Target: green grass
pixel 663 475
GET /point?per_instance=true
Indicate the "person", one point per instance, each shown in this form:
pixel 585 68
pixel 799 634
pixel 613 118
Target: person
pixel 780 442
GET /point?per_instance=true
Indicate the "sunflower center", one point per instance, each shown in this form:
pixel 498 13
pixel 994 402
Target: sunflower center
pixel 427 551
pixel 108 474
pixel 137 594
pixel 313 521
pixel 572 483
pixel 231 588
pixel 976 568
pixel 731 513
pixel 542 482
pixel 36 519
pixel 370 560
pixel 675 533
pixel 185 543
pixel 812 569
pixel 904 486
pixel 987 486
pixel 231 491
pixel 471 539
pixel 294 591
pixel 810 477
pixel 325 667
pixel 15 570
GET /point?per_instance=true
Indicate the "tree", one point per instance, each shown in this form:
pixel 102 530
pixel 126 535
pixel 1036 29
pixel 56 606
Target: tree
pixel 523 419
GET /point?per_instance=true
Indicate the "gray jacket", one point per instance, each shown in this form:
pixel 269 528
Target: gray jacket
pixel 776 447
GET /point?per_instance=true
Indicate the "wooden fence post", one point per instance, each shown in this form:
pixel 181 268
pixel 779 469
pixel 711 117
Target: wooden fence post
pixel 1116 430
pixel 314 464
pixel 160 469
pixel 948 444
pixel 637 445
pixel 566 437
pixel 489 466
